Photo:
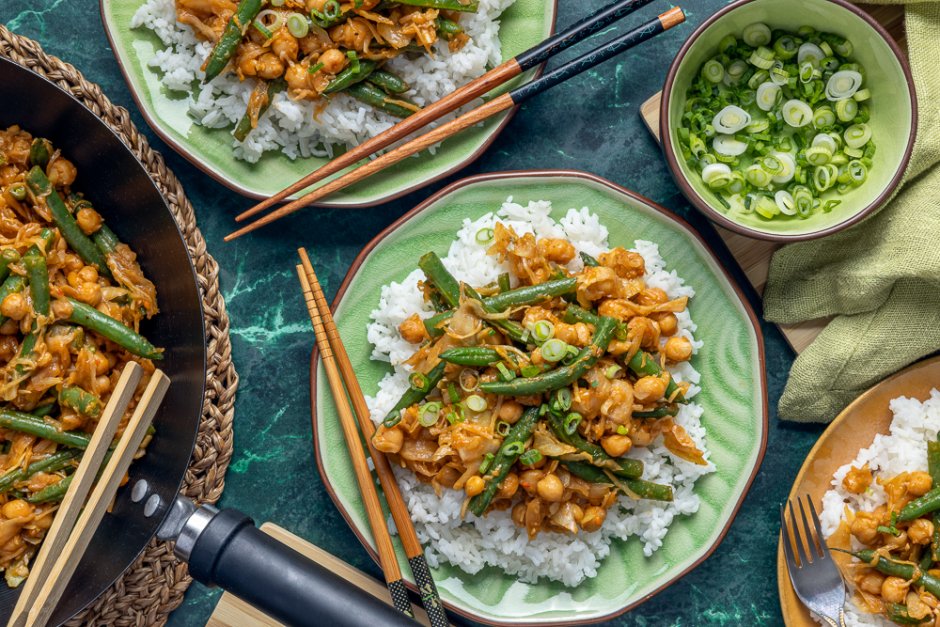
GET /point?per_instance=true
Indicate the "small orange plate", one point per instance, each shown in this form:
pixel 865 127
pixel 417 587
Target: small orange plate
pixel 854 429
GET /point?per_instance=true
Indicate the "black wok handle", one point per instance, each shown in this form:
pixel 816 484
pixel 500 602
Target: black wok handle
pixel 232 554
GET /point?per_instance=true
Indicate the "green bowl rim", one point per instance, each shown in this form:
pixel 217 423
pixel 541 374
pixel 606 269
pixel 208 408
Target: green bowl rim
pixel 715 216
pixel 508 176
pixel 233 185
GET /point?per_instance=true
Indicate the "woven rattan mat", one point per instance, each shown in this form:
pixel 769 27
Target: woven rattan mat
pixel 154 585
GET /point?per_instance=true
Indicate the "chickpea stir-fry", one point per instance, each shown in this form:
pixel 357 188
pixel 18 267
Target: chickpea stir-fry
pixel 315 48
pixel 530 399
pixel 72 297
pixel 897 573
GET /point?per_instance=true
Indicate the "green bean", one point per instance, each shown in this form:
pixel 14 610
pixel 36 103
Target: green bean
pixel 530 294
pixel 80 243
pixel 560 377
pixel 7 257
pixel 371 95
pixel 933 462
pixel 38 273
pixel 85 403
pixel 589 261
pixel 921 505
pixel 231 37
pixel 935 537
pixel 630 468
pixel 899 614
pixel 447 286
pixel 13 285
pixel 643 489
pixel 27 423
pixel 350 77
pixel 434 325
pixel 659 412
pixel 114 330
pixel 105 239
pixel 926 560
pixel 388 82
pixel 503 461
pixel 26 352
pixel 511 328
pixel 471 356
pixel 892 568
pixel 57 491
pixel 413 396
pixel 503 282
pixel 644 365
pixel 54 462
pixel 244 125
pixel 78 202
pixel 470 6
pixel 448 30
pixel 44 410
pixel 39 153
pixel 439 305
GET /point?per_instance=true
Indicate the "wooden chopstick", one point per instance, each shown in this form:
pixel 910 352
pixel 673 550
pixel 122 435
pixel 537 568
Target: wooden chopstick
pixel 99 501
pixel 396 503
pixel 529 59
pixel 647 31
pixel 74 500
pixel 370 498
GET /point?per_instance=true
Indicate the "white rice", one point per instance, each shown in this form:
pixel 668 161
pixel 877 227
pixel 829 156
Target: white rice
pixel 495 540
pixel 903 450
pixel 289 126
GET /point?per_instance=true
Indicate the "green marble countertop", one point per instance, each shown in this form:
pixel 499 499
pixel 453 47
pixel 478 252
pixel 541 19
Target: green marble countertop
pixel 273 474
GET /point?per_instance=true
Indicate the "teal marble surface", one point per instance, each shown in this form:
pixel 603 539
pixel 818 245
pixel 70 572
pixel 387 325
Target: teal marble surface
pixel 591 123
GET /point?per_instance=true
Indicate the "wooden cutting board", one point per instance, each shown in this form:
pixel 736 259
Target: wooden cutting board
pixel 752 254
pixel 233 612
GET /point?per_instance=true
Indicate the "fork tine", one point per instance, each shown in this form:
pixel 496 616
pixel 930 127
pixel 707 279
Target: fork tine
pixel 812 542
pixel 817 529
pixel 787 547
pixel 798 538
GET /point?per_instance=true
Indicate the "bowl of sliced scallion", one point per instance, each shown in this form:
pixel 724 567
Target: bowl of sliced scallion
pixel 788 119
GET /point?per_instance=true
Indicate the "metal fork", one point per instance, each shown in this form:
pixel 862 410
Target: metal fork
pixel 815 577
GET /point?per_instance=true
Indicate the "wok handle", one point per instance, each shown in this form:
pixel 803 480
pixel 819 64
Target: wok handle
pixel 232 554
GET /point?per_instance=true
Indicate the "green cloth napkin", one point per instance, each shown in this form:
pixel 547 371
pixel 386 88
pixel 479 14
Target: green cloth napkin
pixel 881 277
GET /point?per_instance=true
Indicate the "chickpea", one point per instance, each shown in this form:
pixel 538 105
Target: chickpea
pixel 649 389
pixel 61 309
pixel 871 582
pixel 90 293
pixel 474 485
pixel 62 172
pixel 668 322
pixel 14 306
pixel 9 327
pixel 894 590
pixel 509 486
pixel 529 479
pixel 102 365
pixel 88 220
pixel 88 274
pixel 103 383
pixel 865 529
pixel 16 509
pixel 73 263
pixel 413 330
pixel 285 45
pixel 593 518
pixel 678 349
pixel 550 488
pixel 920 531
pixel 651 296
pixel 616 445
pixel 919 483
pixel 296 77
pixel 511 411
pixel 518 515
pixel 269 66
pixel 8 347
pixel 333 61
pixel 43 522
pixel 73 280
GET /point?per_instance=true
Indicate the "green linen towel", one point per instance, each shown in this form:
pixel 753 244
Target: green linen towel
pixel 881 277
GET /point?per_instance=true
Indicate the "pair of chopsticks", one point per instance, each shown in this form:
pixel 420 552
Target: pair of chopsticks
pixel 339 370
pixel 76 520
pixel 508 70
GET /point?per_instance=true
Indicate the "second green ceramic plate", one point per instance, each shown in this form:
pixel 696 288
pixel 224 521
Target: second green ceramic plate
pixel 731 364
pixel 523 25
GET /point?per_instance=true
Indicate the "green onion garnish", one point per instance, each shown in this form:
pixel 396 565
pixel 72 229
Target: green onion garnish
pixel 418 382
pixel 531 371
pixel 532 456
pixel 316 68
pixel 571 422
pixel 513 448
pixel 487 462
pixel 354 61
pixel 484 236
pixel 502 428
pixel 554 349
pixel 452 393
pixel 429 414
pixel 263 30
pixel 505 374
pixel 475 403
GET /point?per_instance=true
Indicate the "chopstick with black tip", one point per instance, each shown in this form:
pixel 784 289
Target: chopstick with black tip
pixel 577 32
pixel 637 36
pixel 396 503
pixel 370 498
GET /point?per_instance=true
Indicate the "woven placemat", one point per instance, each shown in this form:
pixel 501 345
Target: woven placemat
pixel 154 585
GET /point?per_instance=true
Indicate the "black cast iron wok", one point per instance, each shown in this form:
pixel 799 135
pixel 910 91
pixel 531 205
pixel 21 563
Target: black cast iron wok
pixel 111 177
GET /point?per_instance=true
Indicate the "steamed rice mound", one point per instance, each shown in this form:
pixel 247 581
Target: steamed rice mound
pixel 495 540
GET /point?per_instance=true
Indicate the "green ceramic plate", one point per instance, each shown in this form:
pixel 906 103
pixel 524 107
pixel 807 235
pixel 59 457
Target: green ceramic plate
pixel 893 109
pixel 523 25
pixel 732 367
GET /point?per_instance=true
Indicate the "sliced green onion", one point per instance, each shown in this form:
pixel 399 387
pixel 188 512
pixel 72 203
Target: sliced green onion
pixel 263 29
pixel 855 153
pixel 502 428
pixel 831 204
pixel 756 176
pixel 354 61
pixel 857 135
pixel 785 47
pixel 418 381
pixel 843 84
pixel 862 94
pixel 806 32
pixel 797 113
pixel 759 61
pixel 771 164
pixel 767 96
pixel 429 414
pixel 452 393
pixel 315 68
pixel 756 34
pixel 713 71
pixel 297 25
pixel 468 379
pixel 803 199
pixel 819 155
pixel 571 422
pixel 734 72
pixel 332 10
pixel 513 448
pixel 716 175
pixel 18 191
pixel 727 43
pixel 475 403
pixel 758 79
pixel 846 109
pixel 810 52
pixel 822 178
pixel 611 372
pixel 857 172
pixel 554 349
pixel 543 331
pixel 487 461
pixel 785 203
pixel 824 116
pixel 504 373
pixel 570 355
pixel 530 371
pixel 484 236
pixel 767 208
pixel 564 398
pixel 532 456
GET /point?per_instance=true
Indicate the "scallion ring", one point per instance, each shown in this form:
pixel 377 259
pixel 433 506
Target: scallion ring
pixel 797 113
pixel 819 155
pixel 756 34
pixel 846 109
pixel 756 176
pixel 771 164
pixel 861 95
pixel 475 403
pixel 486 463
pixel 263 29
pixel 785 202
pixel 731 119
pixel 429 414
pixel 418 382
pixel 571 422
pixel 717 175
pixel 513 448
pixel 857 172
pixel 788 167
pixel 766 207
pixel 823 117
pixel 354 61
pixel 468 379
pixel 612 371
pixel 857 135
pixel 274 25
pixel 729 146
pixel 502 428
pixel 810 52
pixel 822 178
pixel 532 456
pixel 504 373
pixel 554 349
pixel 843 84
pixel 297 25
pixel 530 371
pixel 758 78
pixel 332 10
pixel 734 72
pixel 543 331
pixel 713 71
pixel 484 236
pixel 767 95
pixel 564 398
pixel 758 60
pixel 803 200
